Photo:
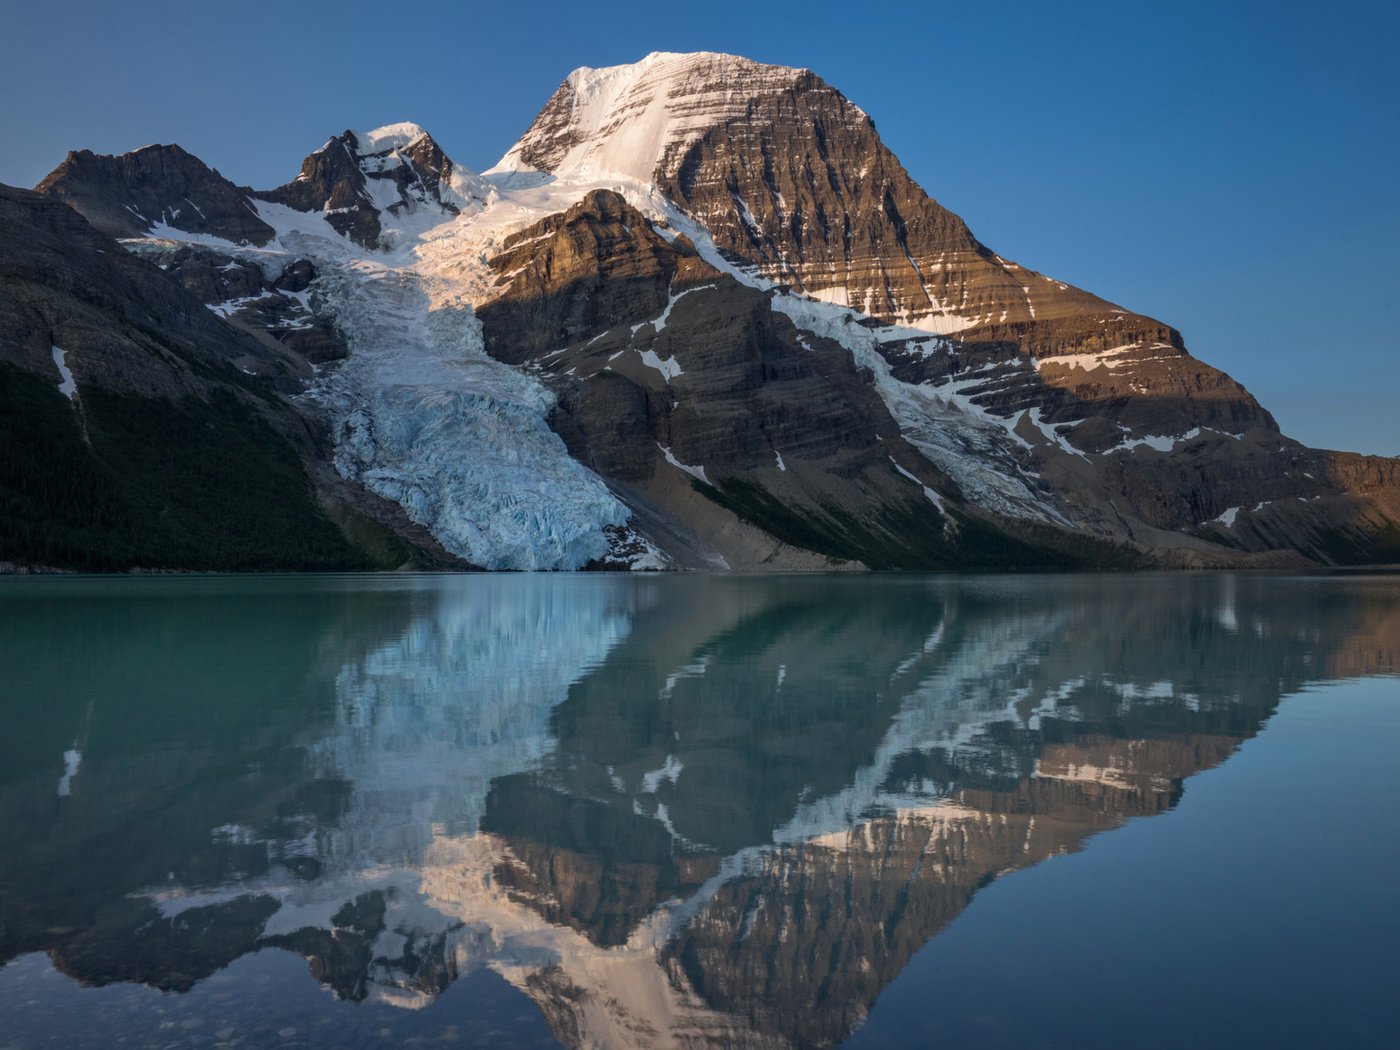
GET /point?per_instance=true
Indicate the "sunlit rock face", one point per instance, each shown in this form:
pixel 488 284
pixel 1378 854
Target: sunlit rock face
pixel 786 173
pixel 1103 407
pixel 791 177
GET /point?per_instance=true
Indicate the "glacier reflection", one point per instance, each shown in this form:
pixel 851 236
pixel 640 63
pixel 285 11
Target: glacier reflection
pixel 669 810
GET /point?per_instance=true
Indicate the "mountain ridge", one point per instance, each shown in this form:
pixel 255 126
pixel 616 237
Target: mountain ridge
pixel 1015 412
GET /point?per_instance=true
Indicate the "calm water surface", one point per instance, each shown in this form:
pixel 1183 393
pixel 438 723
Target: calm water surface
pixel 606 811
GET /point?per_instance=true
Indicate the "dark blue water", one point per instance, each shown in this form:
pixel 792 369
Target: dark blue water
pixel 794 811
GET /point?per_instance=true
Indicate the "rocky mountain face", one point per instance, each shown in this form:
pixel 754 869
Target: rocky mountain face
pixel 356 176
pixel 141 431
pixel 792 179
pixel 130 195
pixel 663 362
pixel 699 316
pixel 793 184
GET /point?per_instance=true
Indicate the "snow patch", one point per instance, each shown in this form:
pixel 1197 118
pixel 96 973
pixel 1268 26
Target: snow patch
pixel 694 472
pixel 1087 362
pixel 670 770
pixel 67 386
pixel 72 759
pixel 660 323
pixel 1051 431
pixel 933 497
pixel 1157 442
pixel 669 368
pixel 229 307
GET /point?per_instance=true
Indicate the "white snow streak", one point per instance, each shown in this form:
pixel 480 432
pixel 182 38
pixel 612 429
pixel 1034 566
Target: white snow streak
pixel 670 368
pixel 694 472
pixel 72 759
pixel 933 497
pixel 67 386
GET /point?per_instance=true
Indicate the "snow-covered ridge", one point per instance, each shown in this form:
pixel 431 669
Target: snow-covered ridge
pixel 405 171
pixel 623 120
pixel 390 136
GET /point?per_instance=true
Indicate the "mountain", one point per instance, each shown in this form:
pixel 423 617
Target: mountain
pixel 791 178
pixel 699 316
pixel 155 187
pixel 141 431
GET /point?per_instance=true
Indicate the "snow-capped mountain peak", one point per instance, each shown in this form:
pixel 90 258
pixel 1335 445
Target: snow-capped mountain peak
pixel 389 137
pixel 629 120
pixel 367 182
pixel 428 173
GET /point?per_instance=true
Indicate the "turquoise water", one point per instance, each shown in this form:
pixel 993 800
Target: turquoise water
pixel 605 810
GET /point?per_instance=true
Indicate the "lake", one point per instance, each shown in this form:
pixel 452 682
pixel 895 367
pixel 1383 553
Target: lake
pixel 603 810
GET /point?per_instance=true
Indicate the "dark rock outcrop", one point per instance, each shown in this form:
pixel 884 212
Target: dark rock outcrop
pixel 332 181
pixel 352 182
pixel 126 196
pixel 249 297
pixel 140 430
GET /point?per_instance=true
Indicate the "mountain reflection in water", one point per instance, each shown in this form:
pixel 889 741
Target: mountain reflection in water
pixel 669 810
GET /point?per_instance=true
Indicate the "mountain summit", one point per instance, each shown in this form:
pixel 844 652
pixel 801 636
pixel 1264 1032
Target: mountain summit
pixel 152 187
pixel 793 179
pixel 356 177
pixel 699 316
pixel 636 120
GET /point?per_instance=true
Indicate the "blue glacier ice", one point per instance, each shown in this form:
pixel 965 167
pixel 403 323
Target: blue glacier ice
pixel 422 416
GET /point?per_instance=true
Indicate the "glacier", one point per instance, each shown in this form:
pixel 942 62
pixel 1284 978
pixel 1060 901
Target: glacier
pixel 418 412
pixel 422 416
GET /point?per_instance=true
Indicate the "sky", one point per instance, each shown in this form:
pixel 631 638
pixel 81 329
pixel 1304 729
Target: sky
pixel 1229 168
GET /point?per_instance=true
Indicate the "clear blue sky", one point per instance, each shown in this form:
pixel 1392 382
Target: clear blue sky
pixel 1231 168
